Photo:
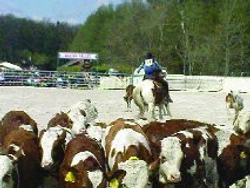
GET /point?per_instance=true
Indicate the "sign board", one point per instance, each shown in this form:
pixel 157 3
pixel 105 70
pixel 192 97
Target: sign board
pixel 76 55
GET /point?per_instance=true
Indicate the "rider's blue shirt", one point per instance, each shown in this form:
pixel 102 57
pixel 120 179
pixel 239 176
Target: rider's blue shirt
pixel 150 67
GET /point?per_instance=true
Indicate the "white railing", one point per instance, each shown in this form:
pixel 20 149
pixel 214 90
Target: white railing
pixel 94 80
pixel 87 80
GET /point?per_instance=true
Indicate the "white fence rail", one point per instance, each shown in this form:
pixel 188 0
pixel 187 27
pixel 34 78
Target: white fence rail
pixel 50 79
pixel 178 82
pixel 93 80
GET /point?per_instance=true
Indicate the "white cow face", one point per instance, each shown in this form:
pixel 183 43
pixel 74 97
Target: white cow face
pixel 170 160
pixel 7 167
pixel 52 142
pixel 137 173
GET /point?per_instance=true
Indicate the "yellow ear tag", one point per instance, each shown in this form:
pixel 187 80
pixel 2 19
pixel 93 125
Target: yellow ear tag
pixel 133 158
pixel 243 155
pixel 70 177
pixel 114 183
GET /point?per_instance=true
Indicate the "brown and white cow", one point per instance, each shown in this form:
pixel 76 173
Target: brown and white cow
pixel 233 155
pixel 52 142
pixel 188 159
pixel 127 148
pixel 84 164
pixel 156 131
pixel 13 120
pixel 82 114
pixel 62 119
pixel 23 146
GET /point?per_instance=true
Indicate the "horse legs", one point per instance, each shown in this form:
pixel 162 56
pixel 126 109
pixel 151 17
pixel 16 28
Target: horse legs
pixel 138 101
pixel 151 111
pixel 168 110
pixel 161 108
pixel 164 110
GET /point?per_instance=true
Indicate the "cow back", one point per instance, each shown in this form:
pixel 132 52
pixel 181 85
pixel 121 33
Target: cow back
pixel 156 131
pixel 80 171
pixel 61 119
pixel 13 120
pixel 142 151
pixel 26 149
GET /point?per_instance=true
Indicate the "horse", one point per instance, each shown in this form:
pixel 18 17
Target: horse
pixel 147 95
pixel 234 101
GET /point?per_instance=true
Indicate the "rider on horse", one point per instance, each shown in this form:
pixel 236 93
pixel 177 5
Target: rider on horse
pixel 152 71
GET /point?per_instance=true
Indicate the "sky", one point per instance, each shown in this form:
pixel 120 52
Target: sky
pixel 70 11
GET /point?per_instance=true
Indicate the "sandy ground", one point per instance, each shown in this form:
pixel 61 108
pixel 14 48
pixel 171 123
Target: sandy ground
pixel 43 103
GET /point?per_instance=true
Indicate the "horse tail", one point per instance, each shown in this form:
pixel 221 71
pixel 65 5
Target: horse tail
pixel 128 96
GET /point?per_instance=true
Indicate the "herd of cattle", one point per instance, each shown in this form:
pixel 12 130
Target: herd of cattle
pixel 77 150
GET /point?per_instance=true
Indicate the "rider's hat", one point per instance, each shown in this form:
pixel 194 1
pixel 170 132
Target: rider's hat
pixel 149 55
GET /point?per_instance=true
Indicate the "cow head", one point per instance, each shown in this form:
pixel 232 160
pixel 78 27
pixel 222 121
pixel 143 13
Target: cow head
pixel 8 169
pixel 169 161
pixel 52 144
pixel 82 114
pixel 137 173
pixel 61 119
pixel 84 171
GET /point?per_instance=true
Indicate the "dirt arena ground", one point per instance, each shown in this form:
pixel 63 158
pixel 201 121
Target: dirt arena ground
pixel 43 103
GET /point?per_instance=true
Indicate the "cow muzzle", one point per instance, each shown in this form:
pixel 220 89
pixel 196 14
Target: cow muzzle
pixel 47 165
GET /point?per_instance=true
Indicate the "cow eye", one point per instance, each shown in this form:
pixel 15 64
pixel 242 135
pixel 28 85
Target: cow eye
pixel 6 178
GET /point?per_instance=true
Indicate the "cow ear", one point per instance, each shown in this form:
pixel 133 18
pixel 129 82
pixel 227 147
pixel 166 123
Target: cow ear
pixel 154 166
pixel 63 135
pixel 118 174
pixel 15 150
pixel 41 133
pixel 13 158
